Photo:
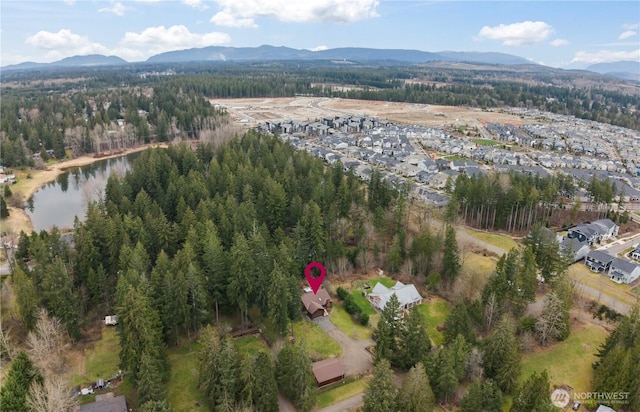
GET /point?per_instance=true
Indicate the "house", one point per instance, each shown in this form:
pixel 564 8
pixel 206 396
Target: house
pixel 574 248
pixel 407 295
pixel 593 232
pixel 623 271
pixel 317 304
pixel 328 371
pixel 636 252
pixel 107 402
pixel 598 261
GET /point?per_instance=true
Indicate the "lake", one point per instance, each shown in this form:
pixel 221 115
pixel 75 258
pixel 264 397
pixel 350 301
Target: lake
pixel 59 202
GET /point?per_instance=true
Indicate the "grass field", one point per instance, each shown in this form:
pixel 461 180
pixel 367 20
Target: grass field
pixel 485 142
pixel 504 242
pixel 483 265
pixel 346 324
pixel 183 392
pixel 340 392
pixel 318 343
pixel 568 362
pixel 101 361
pixel 251 344
pixel 435 312
pixel 362 302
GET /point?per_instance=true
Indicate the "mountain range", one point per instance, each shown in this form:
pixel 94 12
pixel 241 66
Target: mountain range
pixel 265 53
pixel 629 70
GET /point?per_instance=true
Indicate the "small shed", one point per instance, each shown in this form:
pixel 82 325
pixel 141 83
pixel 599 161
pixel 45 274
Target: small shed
pixel 328 371
pixel 111 320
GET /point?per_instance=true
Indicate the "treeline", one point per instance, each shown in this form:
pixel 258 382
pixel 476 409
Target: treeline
pixel 517 201
pixel 88 121
pixel 187 234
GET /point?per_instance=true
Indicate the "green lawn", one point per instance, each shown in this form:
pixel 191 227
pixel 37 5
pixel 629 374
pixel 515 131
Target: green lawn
pixel 101 361
pixel 346 324
pixel 340 392
pixel 318 343
pixel 362 302
pixel 183 392
pixel 485 142
pixel 568 362
pixel 483 265
pixel 251 345
pixel 435 311
pixel 388 282
pixel 504 242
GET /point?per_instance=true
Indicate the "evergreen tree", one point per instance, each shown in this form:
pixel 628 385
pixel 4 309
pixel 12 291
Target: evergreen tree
pixel 458 323
pixel 446 380
pixel 415 340
pixel 295 376
pixel 265 396
pixel 482 397
pixel 150 375
pixel 533 396
pixel 415 395
pixel 389 331
pixel 4 210
pixel 472 400
pixel 381 392
pixel 59 298
pixel 156 406
pixel 451 259
pixel 16 386
pixel 502 358
pixel 26 296
pixel 279 298
pixel 241 280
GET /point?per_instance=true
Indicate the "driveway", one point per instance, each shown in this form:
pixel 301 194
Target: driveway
pixel 355 358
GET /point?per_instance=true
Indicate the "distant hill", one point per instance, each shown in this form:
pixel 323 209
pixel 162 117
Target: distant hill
pixel 357 54
pixel 629 70
pixel 73 61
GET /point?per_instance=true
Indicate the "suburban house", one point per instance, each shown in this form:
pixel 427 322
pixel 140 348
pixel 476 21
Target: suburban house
pixel 598 261
pixel 623 271
pixel 593 232
pixel 328 371
pixel 407 295
pixel 574 248
pixel 636 252
pixel 317 304
pixel 107 402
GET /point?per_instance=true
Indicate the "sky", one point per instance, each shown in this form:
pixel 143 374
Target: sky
pixel 567 34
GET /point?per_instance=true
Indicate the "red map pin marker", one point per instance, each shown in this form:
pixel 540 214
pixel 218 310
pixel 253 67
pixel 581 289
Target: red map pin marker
pixel 315 282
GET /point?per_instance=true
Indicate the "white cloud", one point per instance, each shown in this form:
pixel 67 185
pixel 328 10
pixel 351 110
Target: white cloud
pixel 197 4
pixel 148 1
pixel 632 26
pixel 319 48
pixel 160 39
pixel 559 42
pixel 605 56
pixel 627 34
pixel 116 8
pixel 64 43
pixel 334 11
pixel 226 19
pixel 518 34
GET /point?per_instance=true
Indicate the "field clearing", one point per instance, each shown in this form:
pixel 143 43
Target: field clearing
pixel 182 389
pixel 341 392
pixel 485 142
pixel 435 311
pixel 503 242
pixel 251 345
pixel 250 112
pixel 568 362
pixel 319 344
pixel 347 325
pixel 101 361
pixel 480 264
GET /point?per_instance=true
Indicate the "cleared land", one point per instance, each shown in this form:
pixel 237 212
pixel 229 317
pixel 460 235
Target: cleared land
pixel 341 392
pixel 347 325
pixel 318 343
pixel 435 311
pixel 100 361
pixel 568 362
pixel 183 393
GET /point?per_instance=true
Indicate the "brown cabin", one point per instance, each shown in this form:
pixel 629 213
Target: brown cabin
pixel 317 304
pixel 328 371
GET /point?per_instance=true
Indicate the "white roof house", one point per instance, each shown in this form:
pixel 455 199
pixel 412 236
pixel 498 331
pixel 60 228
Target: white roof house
pixel 407 295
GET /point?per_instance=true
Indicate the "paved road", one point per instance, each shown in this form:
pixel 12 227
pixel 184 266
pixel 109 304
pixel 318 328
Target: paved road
pixel 621 244
pixel 600 295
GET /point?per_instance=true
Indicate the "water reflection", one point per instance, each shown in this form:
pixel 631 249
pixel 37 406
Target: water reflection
pixel 59 202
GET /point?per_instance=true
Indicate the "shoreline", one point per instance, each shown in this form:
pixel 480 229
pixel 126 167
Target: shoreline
pixel 19 219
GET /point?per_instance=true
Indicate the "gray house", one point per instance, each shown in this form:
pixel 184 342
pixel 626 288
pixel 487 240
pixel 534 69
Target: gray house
pixel 598 261
pixel 574 248
pixel 623 271
pixel 593 232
